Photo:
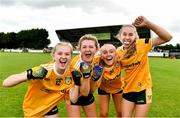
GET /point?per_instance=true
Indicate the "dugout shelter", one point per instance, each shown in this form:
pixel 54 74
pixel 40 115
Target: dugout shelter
pixel 104 34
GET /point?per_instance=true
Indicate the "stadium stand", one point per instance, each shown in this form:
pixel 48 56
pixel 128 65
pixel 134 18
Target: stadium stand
pixel 105 34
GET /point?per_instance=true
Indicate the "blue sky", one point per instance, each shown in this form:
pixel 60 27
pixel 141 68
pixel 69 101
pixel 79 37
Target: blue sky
pixel 17 15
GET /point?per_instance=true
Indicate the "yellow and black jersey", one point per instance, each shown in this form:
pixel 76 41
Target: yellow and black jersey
pixel 136 67
pixel 43 95
pixel 53 80
pixel 111 80
pixel 75 64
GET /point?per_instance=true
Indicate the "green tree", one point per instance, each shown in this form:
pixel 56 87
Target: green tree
pixel 178 46
pixel 2 40
pixel 34 38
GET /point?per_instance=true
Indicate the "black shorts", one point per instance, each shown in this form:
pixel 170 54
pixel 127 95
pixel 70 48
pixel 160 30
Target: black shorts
pixel 53 111
pixel 102 92
pixel 84 100
pixel 142 97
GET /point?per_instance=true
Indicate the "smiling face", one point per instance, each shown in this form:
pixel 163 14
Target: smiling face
pixel 128 35
pixel 88 50
pixel 108 54
pixel 88 45
pixel 62 55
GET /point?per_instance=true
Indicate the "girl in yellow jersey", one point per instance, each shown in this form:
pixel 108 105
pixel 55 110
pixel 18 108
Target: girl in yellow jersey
pixel 137 93
pixel 111 81
pixel 88 46
pixel 48 83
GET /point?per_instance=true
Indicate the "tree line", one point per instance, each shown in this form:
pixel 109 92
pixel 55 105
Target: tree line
pixel 169 47
pixel 38 39
pixel 33 39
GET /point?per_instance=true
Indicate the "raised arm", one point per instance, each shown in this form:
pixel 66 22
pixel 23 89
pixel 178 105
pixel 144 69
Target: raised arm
pixel 85 87
pixel 85 69
pixel 163 35
pixel 75 92
pixel 14 79
pixel 96 77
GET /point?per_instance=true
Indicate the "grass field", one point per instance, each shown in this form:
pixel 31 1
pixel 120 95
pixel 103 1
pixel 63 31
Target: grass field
pixel 165 75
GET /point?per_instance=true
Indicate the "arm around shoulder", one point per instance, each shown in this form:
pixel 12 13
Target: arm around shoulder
pixel 14 79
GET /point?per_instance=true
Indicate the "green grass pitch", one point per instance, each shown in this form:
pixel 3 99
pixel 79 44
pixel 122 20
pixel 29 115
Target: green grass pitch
pixel 165 75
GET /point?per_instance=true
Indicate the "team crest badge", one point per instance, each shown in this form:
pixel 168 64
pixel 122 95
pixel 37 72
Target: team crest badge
pixel 68 80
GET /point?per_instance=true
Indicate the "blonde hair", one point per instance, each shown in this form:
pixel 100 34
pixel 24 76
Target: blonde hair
pixel 132 49
pixel 101 62
pixel 62 43
pixel 88 37
pixel 118 36
pixel 104 46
